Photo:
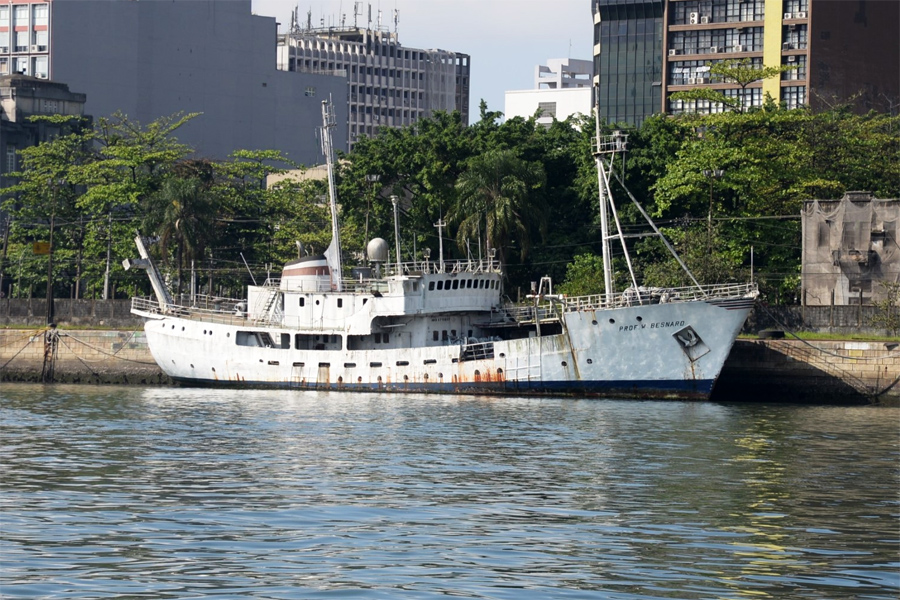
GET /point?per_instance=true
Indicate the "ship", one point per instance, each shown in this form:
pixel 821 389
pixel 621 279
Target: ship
pixel 442 326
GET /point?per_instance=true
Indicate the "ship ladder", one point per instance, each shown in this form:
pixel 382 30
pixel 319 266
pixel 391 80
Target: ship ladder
pixel 271 302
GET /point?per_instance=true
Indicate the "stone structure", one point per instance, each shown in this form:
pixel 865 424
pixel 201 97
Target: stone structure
pixel 850 250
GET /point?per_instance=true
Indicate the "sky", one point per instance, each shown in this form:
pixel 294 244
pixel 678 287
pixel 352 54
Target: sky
pixel 506 39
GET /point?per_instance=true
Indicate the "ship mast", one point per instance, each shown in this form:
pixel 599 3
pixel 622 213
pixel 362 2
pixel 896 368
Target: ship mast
pixel 605 149
pixel 333 253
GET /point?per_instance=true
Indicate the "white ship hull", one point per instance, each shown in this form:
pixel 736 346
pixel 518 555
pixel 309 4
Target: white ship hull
pixel 673 350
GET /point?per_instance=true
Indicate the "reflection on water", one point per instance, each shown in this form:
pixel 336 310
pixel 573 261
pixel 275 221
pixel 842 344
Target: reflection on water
pixel 174 493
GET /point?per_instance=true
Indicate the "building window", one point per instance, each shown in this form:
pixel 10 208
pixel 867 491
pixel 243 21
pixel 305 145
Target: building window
pixel 40 12
pixel 21 41
pixel 10 159
pixel 793 97
pixel 548 109
pixel 39 67
pixel 20 15
pixel 4 66
pixel 4 16
pixel 22 66
pixel 310 92
pixel 40 40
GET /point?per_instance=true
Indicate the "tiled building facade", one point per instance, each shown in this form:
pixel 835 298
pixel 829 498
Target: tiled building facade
pixel 646 50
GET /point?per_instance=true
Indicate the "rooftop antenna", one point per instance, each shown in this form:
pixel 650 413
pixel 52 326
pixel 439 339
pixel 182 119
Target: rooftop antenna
pixel 309 20
pixel 440 227
pixel 379 19
pixel 369 26
pixel 396 20
pixel 357 12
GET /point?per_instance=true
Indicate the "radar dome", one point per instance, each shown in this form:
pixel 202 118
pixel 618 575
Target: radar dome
pixel 377 250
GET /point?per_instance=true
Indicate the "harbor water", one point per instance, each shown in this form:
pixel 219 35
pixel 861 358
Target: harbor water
pixel 127 492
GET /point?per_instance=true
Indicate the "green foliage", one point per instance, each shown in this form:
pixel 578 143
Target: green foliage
pixel 584 276
pixel 887 315
pixel 528 190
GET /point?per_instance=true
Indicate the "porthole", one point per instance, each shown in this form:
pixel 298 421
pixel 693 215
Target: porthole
pixel 594 322
pixel 192 366
pixel 213 369
pixel 612 320
pixel 359 380
pixel 590 361
pixel 317 302
pixel 502 355
pixel 406 378
pixel 565 364
pixel 204 331
pixel 639 319
pixel 379 379
pixel 425 376
pixel 228 334
pixel 440 375
pixel 183 329
pixel 340 380
pixel 499 371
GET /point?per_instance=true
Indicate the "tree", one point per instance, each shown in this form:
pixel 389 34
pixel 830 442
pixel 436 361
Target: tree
pixel 740 72
pixel 497 197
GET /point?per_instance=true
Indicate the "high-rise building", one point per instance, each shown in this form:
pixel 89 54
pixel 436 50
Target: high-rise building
pixel 389 85
pixel 156 58
pixel 646 50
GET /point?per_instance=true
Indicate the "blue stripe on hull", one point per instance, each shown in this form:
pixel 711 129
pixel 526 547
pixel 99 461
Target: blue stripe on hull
pixel 699 389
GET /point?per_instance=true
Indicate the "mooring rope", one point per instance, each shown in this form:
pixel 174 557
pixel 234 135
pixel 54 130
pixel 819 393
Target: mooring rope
pixel 31 338
pixel 110 354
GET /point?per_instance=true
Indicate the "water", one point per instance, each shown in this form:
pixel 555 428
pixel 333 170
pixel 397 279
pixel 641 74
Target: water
pixel 190 493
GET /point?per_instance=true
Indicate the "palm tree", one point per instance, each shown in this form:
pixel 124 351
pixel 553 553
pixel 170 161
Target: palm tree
pixel 185 215
pixel 498 195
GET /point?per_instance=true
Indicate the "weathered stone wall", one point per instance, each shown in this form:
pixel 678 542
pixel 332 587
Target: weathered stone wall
pixel 32 312
pixel 816 371
pixel 80 357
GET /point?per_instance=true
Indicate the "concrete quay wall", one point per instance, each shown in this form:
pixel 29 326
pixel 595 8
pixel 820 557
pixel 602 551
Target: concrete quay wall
pixel 81 357
pixel 757 370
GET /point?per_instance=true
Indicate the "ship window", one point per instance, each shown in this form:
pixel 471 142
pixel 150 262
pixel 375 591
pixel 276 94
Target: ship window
pixel 377 338
pixel 374 364
pixel 415 286
pixel 324 365
pixel 469 283
pixel 444 335
pixel 434 335
pixel 387 338
pixel 285 341
pixel 453 333
pixel 430 361
pixel 302 301
pixel 349 365
pixel 402 363
pixel 470 333
pixel 440 285
pixel 299 364
pixel 340 302
pixel 430 285
pixel 447 285
pixel 456 284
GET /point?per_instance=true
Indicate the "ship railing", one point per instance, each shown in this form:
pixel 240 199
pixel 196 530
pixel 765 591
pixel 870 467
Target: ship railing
pixel 643 296
pixel 430 267
pixel 549 309
pixel 205 308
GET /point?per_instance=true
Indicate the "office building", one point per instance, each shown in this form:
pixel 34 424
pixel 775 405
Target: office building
pixel 156 58
pixel 562 88
pixel 647 50
pixel 389 85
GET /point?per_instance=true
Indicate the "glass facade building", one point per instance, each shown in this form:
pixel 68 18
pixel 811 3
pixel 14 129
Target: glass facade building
pixel 629 63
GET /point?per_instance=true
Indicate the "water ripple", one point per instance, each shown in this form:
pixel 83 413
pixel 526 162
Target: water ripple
pixel 189 493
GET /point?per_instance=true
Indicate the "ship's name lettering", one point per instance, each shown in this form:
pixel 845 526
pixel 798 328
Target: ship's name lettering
pixel 659 325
